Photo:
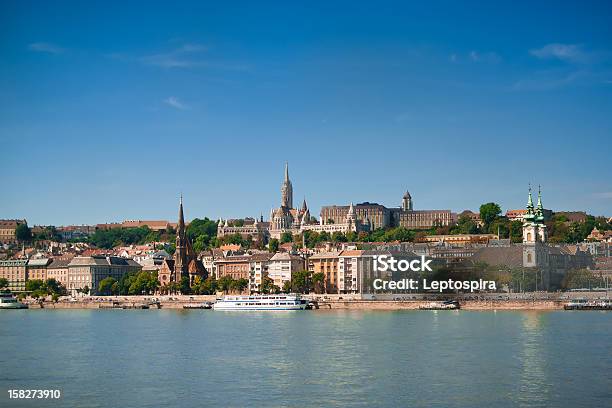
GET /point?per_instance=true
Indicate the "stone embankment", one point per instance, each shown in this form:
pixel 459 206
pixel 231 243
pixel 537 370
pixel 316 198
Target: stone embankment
pixel 465 305
pixel 134 302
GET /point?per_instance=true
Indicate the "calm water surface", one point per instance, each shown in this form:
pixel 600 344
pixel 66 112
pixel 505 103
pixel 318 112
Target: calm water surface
pixel 199 358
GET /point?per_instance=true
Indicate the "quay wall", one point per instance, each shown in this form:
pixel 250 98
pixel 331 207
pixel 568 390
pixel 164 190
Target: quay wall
pixel 465 305
pixel 325 305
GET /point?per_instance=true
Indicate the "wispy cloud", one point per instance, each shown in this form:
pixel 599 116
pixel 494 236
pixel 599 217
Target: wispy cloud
pixel 186 56
pixel 574 53
pixel 46 47
pixel 476 57
pixel 547 81
pixel 490 57
pixel 175 103
pixel 604 194
pixel 190 55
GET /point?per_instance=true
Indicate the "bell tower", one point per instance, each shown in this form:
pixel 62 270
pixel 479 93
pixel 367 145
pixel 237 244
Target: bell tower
pixel 534 234
pixel 407 202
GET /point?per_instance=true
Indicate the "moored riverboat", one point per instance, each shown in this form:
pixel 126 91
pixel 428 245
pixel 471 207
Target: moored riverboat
pixel 203 305
pixel 583 304
pixel 9 301
pixel 445 305
pixel 261 302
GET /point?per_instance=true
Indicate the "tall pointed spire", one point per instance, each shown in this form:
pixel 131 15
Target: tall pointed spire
pixel 180 254
pixel 181 220
pixel 286 172
pixel 529 199
pixel 287 190
pixel 540 198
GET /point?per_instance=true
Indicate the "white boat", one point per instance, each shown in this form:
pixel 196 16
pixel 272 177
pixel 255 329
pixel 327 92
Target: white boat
pixel 446 305
pixel 8 301
pixel 261 302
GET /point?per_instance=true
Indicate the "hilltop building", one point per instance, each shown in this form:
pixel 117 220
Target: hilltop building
pixel 297 220
pixel 252 228
pixel 550 263
pixel 7 230
pixel 374 216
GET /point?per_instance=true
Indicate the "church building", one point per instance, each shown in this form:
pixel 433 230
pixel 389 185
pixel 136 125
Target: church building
pixel 184 262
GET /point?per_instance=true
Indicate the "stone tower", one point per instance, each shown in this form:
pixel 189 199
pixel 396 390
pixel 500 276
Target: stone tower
pixel 287 190
pixel 407 202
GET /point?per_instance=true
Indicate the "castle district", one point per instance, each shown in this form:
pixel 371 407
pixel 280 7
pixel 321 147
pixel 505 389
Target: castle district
pixel 348 250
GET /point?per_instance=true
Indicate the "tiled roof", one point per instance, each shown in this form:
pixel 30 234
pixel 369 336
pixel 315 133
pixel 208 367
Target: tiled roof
pixel 261 257
pixel 58 263
pixel 511 256
pixel 325 255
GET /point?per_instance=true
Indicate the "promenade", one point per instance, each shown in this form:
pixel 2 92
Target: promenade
pixel 520 301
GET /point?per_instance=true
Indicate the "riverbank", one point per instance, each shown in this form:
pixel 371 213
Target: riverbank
pixel 465 305
pixel 323 305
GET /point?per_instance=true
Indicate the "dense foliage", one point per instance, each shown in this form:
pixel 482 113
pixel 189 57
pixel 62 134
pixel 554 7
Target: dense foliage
pixel 39 288
pixel 23 233
pixel 132 283
pixel 110 238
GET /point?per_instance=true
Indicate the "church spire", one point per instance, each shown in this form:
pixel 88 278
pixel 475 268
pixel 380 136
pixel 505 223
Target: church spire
pixel 181 220
pixel 286 172
pixel 287 190
pixel 529 201
pixel 181 261
pixel 540 198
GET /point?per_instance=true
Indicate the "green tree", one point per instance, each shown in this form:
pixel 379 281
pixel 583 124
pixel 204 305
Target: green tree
pixel 301 282
pixel 54 287
pixel 267 285
pixel 209 287
pixel 105 287
pixel 23 233
pixel 225 283
pixel 516 231
pixel 465 225
pixel 34 285
pixel 489 212
pixel 338 236
pixel 273 245
pixel 242 284
pixel 581 279
pixel 287 287
pixel 286 237
pixel 4 283
pixel 185 287
pixel 318 280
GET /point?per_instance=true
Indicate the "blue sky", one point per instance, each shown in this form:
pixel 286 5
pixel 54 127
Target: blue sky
pixel 109 111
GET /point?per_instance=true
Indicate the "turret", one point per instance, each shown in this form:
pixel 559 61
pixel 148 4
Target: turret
pixel 407 201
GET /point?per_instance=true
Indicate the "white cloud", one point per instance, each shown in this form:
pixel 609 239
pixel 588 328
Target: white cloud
pixel 605 194
pixel 45 47
pixel 563 52
pixel 182 57
pixel 175 103
pixel 548 81
pixel 490 57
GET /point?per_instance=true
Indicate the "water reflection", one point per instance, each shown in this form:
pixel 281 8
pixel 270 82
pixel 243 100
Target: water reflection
pixel 534 387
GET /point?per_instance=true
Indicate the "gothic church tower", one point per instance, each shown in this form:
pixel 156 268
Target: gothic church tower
pixel 287 190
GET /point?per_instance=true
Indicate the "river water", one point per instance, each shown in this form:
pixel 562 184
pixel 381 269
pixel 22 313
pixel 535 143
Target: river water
pixel 201 358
